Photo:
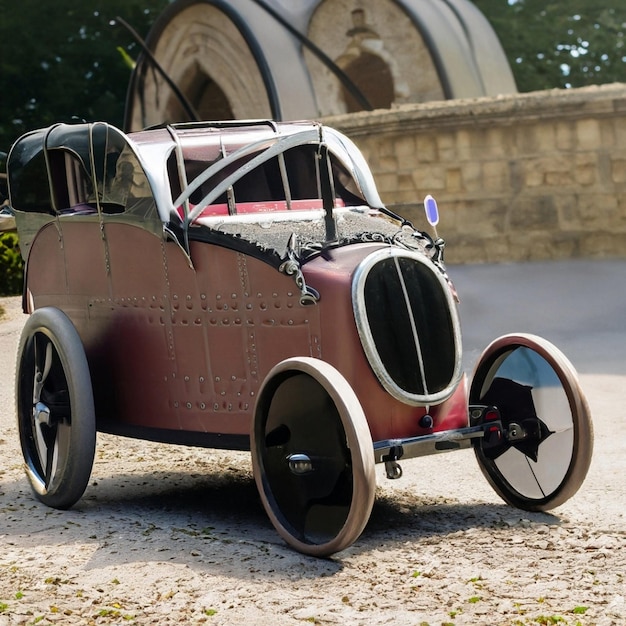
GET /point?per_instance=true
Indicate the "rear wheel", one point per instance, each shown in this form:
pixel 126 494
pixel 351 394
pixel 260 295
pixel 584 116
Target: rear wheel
pixel 55 408
pixel 545 451
pixel 313 457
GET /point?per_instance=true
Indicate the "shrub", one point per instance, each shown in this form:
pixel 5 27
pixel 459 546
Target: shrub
pixel 11 265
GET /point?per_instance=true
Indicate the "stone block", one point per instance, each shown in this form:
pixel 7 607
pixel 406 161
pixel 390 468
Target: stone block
pixel 534 172
pixel 464 149
pixel 525 141
pixel 482 217
pixel 427 178
pixel 446 147
pixel 588 135
pixel 619 130
pixel 568 211
pixel 585 169
pixel 454 180
pixel 405 147
pixel 472 173
pixel 618 170
pixel 426 148
pixel 607 134
pixel 545 137
pixel 387 164
pixel 496 176
pixel 405 182
pixel 533 213
pixel 595 209
pixel 565 135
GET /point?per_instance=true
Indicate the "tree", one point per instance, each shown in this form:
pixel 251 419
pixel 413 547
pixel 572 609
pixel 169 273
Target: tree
pixel 65 59
pixel 562 43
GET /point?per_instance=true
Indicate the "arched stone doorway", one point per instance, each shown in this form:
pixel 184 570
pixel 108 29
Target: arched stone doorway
pixel 205 95
pixel 203 51
pixel 373 78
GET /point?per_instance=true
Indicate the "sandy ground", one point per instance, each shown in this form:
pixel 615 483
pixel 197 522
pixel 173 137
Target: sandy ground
pixel 172 535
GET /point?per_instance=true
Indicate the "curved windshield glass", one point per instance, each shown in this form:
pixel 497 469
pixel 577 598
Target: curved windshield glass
pixel 307 189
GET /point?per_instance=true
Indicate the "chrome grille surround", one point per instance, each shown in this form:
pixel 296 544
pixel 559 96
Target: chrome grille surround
pixel 407 320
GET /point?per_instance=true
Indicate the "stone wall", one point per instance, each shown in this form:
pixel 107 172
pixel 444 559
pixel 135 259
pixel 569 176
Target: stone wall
pixel 524 177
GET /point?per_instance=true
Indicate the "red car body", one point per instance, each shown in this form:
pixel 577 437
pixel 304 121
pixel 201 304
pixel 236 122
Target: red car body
pixel 241 285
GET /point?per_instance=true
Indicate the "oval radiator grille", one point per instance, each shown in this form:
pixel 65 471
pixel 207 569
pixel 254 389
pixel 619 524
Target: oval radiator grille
pixel 408 324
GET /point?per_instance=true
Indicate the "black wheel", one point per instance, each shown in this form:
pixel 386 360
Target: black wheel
pixel 545 451
pixel 55 408
pixel 313 457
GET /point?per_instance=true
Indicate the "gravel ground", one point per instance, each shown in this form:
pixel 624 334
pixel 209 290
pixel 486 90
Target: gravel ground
pixel 173 535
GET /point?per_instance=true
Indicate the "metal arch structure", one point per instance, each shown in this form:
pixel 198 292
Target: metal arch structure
pixel 260 66
pixel 477 60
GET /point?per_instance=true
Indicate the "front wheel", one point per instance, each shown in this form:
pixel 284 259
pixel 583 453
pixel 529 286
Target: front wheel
pixel 547 435
pixel 55 408
pixel 313 457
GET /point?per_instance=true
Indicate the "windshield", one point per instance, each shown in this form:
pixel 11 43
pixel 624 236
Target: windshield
pixel 280 191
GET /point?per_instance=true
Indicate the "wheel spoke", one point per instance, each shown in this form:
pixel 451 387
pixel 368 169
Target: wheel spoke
pixel 41 445
pixel 60 449
pixel 43 363
pixel 51 457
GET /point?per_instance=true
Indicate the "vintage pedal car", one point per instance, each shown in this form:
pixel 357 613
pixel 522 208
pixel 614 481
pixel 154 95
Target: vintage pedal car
pixel 241 285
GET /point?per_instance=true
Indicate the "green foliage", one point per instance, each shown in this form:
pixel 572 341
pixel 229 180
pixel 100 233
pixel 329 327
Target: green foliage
pixel 562 43
pixel 61 59
pixel 11 265
pixel 68 59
